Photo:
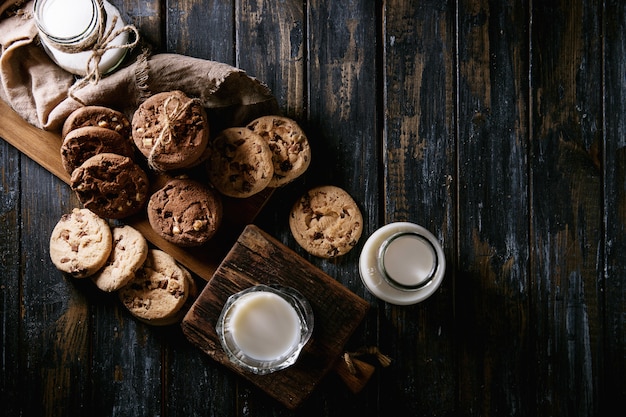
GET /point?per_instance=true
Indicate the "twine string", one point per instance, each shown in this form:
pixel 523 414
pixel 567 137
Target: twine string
pixel 167 132
pixel 103 43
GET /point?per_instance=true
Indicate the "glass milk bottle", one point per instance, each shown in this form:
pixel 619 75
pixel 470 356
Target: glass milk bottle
pixel 74 32
pixel 402 263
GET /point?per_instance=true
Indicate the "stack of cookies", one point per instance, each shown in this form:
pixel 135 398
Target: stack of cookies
pixel 149 282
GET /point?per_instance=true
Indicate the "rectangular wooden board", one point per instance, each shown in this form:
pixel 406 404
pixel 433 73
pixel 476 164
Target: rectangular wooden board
pixel 257 258
pixel 44 148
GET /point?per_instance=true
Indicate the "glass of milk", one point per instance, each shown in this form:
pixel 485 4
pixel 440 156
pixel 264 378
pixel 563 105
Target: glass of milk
pixel 264 328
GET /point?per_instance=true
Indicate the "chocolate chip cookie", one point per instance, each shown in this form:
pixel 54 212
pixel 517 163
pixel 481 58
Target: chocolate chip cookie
pixel 171 130
pixel 240 162
pixel 185 212
pixel 98 116
pixel 159 289
pixel 326 221
pixel 80 243
pixel 291 153
pixel 82 143
pixel 111 185
pixel 129 252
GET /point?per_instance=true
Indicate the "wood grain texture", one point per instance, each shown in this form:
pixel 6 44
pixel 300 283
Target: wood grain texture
pixel 257 258
pixel 500 125
pixel 492 276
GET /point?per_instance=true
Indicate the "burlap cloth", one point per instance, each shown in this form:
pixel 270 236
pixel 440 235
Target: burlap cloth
pixel 36 88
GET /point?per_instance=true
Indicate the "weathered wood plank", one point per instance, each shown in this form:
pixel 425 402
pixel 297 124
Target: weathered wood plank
pixel 419 186
pixel 566 194
pixel 492 281
pixel 10 277
pixel 612 385
pixel 55 319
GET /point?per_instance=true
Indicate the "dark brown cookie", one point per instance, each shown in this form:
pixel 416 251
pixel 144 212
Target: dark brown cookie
pixel 185 212
pixel 240 163
pixel 82 143
pixel 111 185
pixel 171 130
pixel 290 148
pixel 99 116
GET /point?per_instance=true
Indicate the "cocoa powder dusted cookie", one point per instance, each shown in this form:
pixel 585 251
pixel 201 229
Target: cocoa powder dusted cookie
pixel 129 252
pixel 240 163
pixel 80 243
pixel 82 143
pixel 159 289
pixel 111 185
pixel 326 222
pixel 185 212
pixel 98 116
pixel 171 130
pixel 290 148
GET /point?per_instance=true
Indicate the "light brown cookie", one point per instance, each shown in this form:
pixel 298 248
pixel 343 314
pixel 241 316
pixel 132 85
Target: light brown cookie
pixel 171 130
pixel 159 289
pixel 290 148
pixel 240 163
pixel 111 185
pixel 178 317
pixel 82 143
pixel 129 252
pixel 326 222
pixel 185 212
pixel 80 243
pixel 99 116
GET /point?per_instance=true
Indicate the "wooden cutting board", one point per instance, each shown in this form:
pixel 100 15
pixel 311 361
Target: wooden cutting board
pixel 258 258
pixel 44 148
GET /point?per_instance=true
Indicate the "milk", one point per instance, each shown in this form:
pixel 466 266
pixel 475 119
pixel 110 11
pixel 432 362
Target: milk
pixel 409 260
pixel 72 19
pixel 264 326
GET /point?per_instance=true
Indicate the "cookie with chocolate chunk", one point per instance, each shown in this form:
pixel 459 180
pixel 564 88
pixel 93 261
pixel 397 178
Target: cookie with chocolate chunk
pixel 171 130
pixel 240 162
pixel 185 212
pixel 98 116
pixel 129 252
pixel 291 153
pixel 326 221
pixel 112 186
pixel 80 243
pixel 159 289
pixel 82 143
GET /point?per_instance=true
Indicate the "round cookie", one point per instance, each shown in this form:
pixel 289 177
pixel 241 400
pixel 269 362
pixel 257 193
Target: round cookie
pixel 290 148
pixel 82 143
pixel 185 212
pixel 129 252
pixel 159 289
pixel 326 222
pixel 80 243
pixel 98 116
pixel 111 185
pixel 240 163
pixel 171 130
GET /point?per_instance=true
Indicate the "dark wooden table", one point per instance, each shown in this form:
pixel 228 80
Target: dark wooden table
pixel 498 125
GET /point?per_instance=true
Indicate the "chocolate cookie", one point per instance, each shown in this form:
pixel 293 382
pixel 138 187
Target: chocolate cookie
pixel 185 212
pixel 240 163
pixel 326 222
pixel 111 185
pixel 80 243
pixel 290 148
pixel 98 116
pixel 82 143
pixel 129 252
pixel 159 289
pixel 171 130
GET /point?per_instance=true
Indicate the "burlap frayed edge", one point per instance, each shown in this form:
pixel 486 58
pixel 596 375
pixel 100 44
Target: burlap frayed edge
pixel 142 76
